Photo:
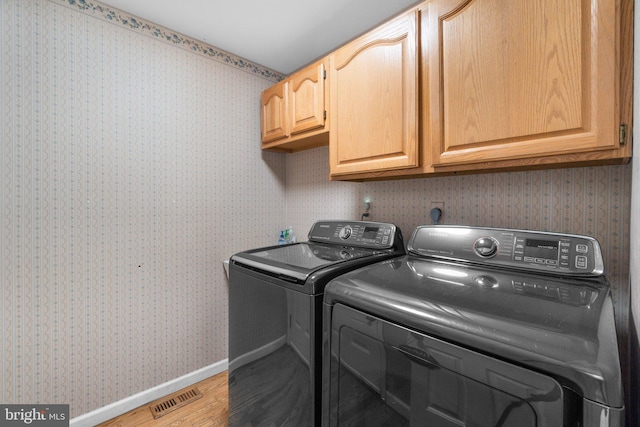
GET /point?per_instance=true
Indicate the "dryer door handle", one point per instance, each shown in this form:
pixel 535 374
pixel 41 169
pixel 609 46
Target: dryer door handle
pixel 419 356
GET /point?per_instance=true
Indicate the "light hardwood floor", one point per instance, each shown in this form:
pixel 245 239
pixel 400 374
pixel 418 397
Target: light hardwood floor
pixel 209 411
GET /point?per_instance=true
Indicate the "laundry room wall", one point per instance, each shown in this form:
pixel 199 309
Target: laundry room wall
pixel 130 168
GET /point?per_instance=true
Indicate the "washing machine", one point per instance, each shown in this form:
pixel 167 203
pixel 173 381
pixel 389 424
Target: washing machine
pixel 474 327
pixel 275 318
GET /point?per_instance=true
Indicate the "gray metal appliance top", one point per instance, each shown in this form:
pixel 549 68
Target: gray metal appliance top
pixel 333 247
pixel 536 251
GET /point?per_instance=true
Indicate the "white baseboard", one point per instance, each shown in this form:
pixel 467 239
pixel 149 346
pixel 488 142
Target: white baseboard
pixel 127 404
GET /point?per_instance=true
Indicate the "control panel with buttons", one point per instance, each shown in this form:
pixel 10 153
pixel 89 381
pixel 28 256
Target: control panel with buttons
pixel 377 235
pixel 522 249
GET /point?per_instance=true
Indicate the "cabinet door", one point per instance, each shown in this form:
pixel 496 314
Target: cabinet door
pixel 306 99
pixel 273 105
pixel 521 79
pixel 373 98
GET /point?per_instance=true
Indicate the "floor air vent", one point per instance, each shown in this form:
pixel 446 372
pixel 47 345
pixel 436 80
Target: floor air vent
pixel 174 401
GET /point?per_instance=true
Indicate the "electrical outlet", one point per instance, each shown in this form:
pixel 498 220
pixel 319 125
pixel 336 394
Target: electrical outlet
pixel 367 207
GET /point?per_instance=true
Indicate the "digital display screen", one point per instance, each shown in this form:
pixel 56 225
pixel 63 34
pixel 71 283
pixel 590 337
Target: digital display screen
pixel 546 249
pixel 370 233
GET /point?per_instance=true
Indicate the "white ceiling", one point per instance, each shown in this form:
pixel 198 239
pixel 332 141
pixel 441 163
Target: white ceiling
pixel 283 35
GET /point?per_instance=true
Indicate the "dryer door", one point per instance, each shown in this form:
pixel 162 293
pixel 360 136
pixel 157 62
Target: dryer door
pixel 385 374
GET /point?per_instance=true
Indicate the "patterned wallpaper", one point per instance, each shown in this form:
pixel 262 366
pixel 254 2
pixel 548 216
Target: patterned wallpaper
pixel 130 169
pixel 594 201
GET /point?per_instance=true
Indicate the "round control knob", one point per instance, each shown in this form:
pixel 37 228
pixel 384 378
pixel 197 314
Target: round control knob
pixel 345 232
pixel 486 247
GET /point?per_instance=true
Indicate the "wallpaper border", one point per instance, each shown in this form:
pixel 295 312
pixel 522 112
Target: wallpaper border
pixel 166 35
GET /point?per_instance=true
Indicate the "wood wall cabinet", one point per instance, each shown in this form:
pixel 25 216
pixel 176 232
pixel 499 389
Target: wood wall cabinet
pixel 293 112
pixel 503 85
pixel 374 108
pixel 467 86
pixel 273 113
pixel 523 79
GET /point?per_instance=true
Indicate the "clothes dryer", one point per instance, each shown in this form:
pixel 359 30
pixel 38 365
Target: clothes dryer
pixel 474 327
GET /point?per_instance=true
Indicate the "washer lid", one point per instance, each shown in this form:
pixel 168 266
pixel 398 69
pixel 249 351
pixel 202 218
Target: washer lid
pixel 298 261
pixel 336 244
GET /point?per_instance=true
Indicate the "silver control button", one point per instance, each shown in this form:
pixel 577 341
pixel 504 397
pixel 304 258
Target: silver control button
pixel 581 262
pixel 582 249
